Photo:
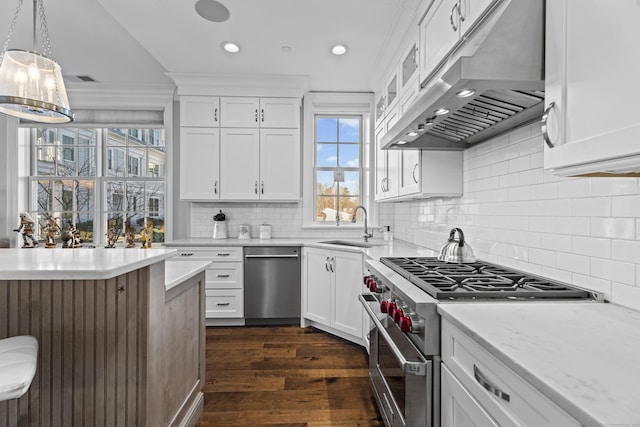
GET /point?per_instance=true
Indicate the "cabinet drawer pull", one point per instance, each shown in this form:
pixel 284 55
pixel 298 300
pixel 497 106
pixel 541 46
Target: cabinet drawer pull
pixel 332 264
pixel 453 24
pixel 326 263
pixel 413 174
pixel 215 115
pixel 186 254
pixel 215 187
pixel 256 115
pixel 261 187
pixel 545 129
pixel 255 188
pixel 262 115
pixel 222 276
pixel 223 304
pixel 223 254
pixel 488 386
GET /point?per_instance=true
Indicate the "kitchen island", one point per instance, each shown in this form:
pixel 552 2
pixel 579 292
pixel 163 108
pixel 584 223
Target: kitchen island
pixel 120 333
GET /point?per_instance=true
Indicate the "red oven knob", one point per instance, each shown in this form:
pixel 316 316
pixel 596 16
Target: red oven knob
pixel 372 285
pixel 397 315
pixel 405 324
pixel 384 306
pixel 392 308
pixel 365 280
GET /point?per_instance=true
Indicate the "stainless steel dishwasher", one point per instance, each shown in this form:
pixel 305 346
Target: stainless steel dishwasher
pixel 272 285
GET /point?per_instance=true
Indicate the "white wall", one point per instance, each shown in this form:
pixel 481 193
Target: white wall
pixel 584 231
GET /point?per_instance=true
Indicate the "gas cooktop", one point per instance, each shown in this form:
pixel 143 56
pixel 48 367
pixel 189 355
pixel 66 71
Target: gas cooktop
pixel 479 280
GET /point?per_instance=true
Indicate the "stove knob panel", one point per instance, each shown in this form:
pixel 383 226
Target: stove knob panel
pixel 406 324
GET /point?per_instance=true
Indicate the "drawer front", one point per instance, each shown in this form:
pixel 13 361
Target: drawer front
pixel 224 303
pixel 224 275
pixel 216 254
pixel 520 404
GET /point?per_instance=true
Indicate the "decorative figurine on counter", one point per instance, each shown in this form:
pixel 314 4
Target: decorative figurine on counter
pixel 67 236
pixel 26 225
pixel 112 235
pixel 147 234
pixel 129 234
pixel 51 229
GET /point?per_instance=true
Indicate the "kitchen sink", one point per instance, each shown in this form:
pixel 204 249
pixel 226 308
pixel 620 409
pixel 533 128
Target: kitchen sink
pixel 351 243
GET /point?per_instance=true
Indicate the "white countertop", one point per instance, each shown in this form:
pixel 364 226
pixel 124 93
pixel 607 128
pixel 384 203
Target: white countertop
pixel 583 356
pixel 382 248
pixel 78 263
pixel 176 272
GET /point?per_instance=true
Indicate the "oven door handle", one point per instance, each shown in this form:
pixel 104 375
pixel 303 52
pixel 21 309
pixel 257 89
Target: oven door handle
pixel 417 365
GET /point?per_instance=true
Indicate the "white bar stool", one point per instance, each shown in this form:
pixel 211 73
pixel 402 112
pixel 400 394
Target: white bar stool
pixel 18 360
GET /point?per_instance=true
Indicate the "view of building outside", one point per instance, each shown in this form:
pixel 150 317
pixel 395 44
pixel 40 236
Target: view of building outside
pixel 338 173
pixel 84 175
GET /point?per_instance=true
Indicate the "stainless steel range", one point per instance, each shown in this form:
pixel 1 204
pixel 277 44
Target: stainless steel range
pixel 401 300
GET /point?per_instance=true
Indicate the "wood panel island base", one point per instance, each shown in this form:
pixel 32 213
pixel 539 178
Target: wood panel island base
pixel 113 351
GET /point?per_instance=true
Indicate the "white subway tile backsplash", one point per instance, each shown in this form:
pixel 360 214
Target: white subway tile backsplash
pixel 617 271
pixel 616 228
pixel 580 230
pixel 626 295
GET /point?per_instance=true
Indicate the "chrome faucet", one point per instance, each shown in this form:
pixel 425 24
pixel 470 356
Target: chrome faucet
pixel 353 219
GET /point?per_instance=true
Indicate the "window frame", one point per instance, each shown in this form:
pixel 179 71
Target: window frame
pixel 99 181
pixel 337 167
pixel 334 104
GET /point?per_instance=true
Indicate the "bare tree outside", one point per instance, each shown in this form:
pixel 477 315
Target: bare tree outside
pixel 68 186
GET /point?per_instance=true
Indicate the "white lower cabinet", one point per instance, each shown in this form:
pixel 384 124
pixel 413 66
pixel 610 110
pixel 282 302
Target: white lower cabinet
pixel 332 283
pixel 224 280
pixel 459 408
pixel 479 390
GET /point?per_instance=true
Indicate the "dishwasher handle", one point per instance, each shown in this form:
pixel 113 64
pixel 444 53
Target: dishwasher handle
pixel 272 256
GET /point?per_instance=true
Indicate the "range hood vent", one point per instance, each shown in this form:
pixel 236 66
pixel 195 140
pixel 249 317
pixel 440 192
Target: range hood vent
pixel 502 62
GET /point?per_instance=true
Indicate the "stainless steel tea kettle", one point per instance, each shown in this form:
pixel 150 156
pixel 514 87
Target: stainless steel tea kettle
pixel 456 250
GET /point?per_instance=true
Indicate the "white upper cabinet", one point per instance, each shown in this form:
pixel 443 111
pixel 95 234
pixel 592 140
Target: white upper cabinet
pixel 425 174
pixel 199 163
pixel 279 164
pixel 240 165
pixel 248 112
pixel 200 111
pixel 591 123
pixel 444 27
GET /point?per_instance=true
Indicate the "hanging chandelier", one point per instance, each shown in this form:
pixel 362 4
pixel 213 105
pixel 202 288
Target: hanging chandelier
pixel 31 85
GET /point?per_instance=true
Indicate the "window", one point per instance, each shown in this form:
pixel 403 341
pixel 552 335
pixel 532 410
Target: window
pixel 68 187
pixel 338 174
pixel 337 158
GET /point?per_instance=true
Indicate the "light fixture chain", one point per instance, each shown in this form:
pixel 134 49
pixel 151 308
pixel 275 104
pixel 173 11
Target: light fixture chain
pixel 46 42
pixel 11 27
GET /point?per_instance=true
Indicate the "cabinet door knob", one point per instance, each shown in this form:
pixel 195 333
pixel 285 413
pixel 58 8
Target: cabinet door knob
pixel 545 128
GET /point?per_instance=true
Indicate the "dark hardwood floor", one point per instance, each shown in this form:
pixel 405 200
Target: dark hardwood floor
pixel 285 376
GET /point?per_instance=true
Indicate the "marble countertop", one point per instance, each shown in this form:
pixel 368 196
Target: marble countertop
pixel 79 263
pixel 176 272
pixel 584 356
pixel 380 249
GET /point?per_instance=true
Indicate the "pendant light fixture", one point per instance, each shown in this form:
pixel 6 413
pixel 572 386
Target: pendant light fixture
pixel 31 85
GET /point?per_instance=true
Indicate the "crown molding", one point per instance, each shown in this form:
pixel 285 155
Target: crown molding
pixel 240 84
pixel 119 96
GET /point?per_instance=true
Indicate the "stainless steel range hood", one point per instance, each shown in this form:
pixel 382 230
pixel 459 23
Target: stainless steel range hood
pixel 502 60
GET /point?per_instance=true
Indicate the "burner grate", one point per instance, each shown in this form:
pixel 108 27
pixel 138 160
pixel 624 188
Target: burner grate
pixel 478 280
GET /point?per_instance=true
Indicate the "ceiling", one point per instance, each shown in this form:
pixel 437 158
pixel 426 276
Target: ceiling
pixel 138 42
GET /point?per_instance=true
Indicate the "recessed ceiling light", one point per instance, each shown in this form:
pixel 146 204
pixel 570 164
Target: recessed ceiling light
pixel 212 10
pixel 465 92
pixel 339 49
pixel 401 142
pixel 231 47
pixel 412 133
pixel 441 111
